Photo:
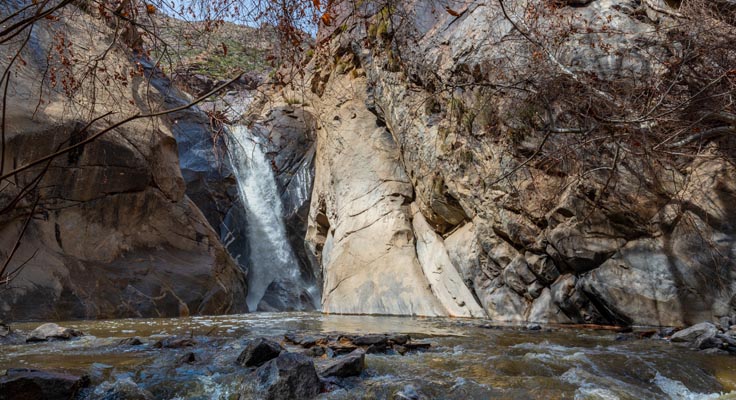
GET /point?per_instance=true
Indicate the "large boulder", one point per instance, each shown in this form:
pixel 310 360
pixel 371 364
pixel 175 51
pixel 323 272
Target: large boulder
pixel 289 376
pixel 703 329
pixel 52 331
pixel 27 384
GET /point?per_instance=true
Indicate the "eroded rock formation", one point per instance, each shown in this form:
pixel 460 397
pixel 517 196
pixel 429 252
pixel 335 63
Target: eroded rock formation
pixel 606 235
pixel 113 233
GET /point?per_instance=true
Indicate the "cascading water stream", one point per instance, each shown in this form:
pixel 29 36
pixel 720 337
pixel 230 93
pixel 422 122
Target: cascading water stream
pixel 272 260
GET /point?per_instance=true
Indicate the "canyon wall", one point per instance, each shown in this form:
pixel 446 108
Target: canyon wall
pixel 442 189
pixel 111 231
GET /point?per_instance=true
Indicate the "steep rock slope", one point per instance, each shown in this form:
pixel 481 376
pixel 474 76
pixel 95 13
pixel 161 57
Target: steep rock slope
pixel 113 233
pixel 540 226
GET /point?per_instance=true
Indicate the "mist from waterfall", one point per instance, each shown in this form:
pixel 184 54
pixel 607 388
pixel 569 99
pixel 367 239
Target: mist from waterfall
pixel 273 265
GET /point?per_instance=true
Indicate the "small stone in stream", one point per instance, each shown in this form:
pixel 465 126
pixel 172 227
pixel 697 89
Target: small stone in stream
pixel 667 332
pixel 258 352
pixel 308 341
pixel 121 389
pixel 417 346
pixel 401 349
pixel 729 340
pixel 24 384
pixel 646 334
pixel 398 338
pixel 288 376
pixel 133 341
pixel 708 342
pixel 316 351
pixel 52 332
pixel 369 340
pixel 376 348
pixel 408 393
pixel 622 337
pixel 694 332
pixel 342 349
pixel 342 367
pixel 174 343
pixel 304 341
pixel 534 327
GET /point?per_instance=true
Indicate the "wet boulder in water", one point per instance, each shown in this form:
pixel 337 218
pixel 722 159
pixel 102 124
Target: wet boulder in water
pixel 21 384
pixel 258 352
pixel 350 365
pixel 399 339
pixel 174 343
pixel 691 334
pixel 122 389
pixel 369 340
pixel 289 376
pixel 50 332
pixel 134 341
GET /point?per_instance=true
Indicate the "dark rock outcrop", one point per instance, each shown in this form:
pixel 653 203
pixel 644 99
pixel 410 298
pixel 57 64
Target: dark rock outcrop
pixel 258 352
pixel 342 367
pixel 289 376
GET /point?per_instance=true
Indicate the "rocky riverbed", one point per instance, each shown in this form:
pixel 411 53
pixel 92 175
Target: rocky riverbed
pixel 274 356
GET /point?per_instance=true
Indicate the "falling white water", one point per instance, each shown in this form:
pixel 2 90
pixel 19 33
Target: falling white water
pixel 271 257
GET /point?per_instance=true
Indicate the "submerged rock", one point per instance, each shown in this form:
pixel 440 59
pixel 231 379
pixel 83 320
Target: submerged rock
pixel 258 352
pixel 52 331
pixel 342 367
pixel 22 384
pixel 289 376
pixel 134 341
pixel 408 393
pixel 174 343
pixel 122 389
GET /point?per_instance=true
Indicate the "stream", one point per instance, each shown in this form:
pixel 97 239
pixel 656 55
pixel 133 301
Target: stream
pixel 469 359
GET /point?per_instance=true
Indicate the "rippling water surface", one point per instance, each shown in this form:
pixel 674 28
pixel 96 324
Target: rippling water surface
pixel 467 361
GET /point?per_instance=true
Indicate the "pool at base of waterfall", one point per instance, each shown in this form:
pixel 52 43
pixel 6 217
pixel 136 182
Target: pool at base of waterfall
pixel 468 359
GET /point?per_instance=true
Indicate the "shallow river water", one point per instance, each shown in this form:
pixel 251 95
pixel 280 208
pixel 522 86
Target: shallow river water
pixel 468 359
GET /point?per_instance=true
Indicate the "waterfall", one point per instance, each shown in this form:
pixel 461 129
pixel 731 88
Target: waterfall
pixel 274 269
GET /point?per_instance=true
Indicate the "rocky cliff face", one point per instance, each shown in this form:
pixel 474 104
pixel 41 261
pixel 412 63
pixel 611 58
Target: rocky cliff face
pixel 437 193
pixel 113 233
